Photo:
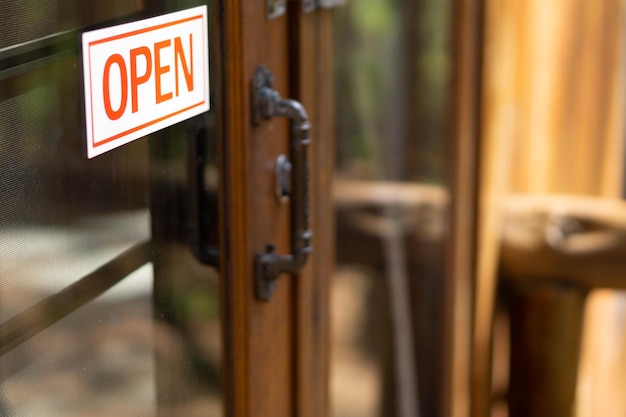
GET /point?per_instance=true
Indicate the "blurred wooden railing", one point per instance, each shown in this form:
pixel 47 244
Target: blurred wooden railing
pixel 554 250
pixel 398 230
pixel 579 240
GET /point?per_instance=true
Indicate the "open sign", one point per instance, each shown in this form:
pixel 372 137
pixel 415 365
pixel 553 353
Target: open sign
pixel 143 76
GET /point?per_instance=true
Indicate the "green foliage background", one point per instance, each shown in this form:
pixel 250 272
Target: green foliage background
pixel 387 61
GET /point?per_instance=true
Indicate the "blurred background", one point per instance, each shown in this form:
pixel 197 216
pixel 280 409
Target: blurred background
pixel 548 314
pixel 393 92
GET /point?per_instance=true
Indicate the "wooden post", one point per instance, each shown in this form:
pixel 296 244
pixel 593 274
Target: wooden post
pixel 546 328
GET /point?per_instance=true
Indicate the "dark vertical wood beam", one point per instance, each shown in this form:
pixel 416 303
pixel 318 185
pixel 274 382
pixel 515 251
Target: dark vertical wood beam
pixel 312 83
pixel 258 348
pixel 404 119
pixel 466 391
pixel 546 329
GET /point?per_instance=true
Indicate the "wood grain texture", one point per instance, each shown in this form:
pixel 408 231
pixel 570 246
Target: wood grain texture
pixel 575 240
pixel 546 328
pixel 234 265
pixel 312 84
pixel 567 88
pixel 496 135
pixel 553 90
pixel 258 368
pixel 276 361
pixel 578 240
pixel 463 173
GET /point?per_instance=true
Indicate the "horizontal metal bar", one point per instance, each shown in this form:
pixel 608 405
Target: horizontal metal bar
pixel 38 48
pixel 22 57
pixel 42 315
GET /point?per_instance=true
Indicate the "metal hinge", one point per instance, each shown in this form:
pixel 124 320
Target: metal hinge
pixel 276 8
pixel 310 5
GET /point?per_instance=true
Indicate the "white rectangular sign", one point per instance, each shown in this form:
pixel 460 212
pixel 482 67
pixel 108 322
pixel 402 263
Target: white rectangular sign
pixel 143 76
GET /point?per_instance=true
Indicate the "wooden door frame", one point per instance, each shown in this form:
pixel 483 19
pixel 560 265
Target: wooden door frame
pixel 313 32
pixel 313 86
pixel 310 80
pixel 466 375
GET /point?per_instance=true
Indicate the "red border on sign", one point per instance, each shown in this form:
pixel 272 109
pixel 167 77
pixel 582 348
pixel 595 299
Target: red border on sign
pixel 159 119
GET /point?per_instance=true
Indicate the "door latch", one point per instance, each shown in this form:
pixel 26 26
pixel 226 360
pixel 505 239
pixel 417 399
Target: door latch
pixel 267 103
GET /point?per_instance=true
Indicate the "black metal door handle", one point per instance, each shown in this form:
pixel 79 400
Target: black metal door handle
pixel 267 103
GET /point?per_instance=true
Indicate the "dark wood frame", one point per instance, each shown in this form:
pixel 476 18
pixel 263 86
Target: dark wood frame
pixel 268 372
pixel 464 373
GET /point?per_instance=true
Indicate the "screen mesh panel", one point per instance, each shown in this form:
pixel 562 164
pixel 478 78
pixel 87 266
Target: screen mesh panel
pixel 104 309
pixel 61 215
pixel 28 20
pixel 25 20
pixel 98 361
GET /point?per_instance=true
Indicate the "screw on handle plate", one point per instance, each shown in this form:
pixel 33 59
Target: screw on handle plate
pixel 282 177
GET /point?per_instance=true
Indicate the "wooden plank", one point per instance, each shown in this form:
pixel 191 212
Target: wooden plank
pixel 569 238
pixel 258 350
pixel 546 328
pixel 462 250
pixel 544 237
pixel 233 224
pixel 498 75
pixel 312 84
pixel 562 93
pixel 575 239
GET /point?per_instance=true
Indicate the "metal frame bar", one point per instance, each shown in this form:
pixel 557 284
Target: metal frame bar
pixel 47 312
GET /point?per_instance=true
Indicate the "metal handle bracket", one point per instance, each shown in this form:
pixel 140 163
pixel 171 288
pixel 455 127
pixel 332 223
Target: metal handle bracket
pixel 267 103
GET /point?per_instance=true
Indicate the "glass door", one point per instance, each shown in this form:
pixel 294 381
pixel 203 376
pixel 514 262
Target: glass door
pixel 109 304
